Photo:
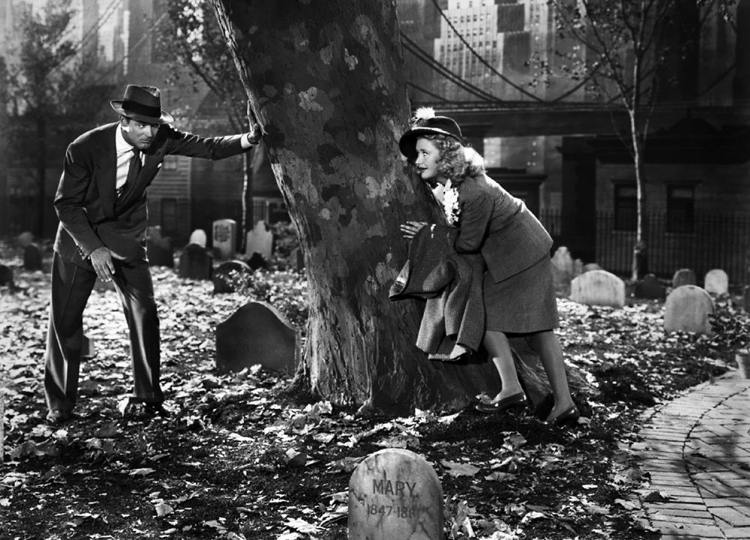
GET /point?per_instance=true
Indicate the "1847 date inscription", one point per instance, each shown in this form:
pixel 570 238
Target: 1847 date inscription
pixel 399 490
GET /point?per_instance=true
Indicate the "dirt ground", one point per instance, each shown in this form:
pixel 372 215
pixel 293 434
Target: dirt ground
pixel 247 456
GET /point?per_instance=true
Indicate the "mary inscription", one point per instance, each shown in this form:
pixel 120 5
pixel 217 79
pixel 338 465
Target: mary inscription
pixel 395 493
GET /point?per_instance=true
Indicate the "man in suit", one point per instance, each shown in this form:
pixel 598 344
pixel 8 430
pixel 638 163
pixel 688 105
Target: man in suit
pixel 102 206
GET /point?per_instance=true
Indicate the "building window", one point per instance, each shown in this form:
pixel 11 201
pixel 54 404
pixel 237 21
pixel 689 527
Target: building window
pixel 168 217
pixel 680 209
pixel 626 207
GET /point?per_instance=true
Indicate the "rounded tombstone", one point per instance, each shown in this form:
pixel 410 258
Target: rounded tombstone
pixel 598 288
pixel 716 281
pixel 683 276
pixel 688 309
pixel 395 493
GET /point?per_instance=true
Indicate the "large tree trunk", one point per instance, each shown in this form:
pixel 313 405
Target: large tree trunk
pixel 325 80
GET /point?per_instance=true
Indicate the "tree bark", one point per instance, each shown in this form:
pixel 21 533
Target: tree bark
pixel 325 80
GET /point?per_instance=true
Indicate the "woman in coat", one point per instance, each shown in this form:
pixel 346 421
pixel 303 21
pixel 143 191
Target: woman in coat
pixel 518 287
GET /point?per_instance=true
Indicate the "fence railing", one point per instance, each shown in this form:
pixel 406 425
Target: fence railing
pixel 716 241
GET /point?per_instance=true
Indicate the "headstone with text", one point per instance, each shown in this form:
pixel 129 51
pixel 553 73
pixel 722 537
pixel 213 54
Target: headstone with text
pixel 598 288
pixel 716 281
pixel 257 333
pixel 684 276
pixel 259 240
pixel 395 493
pixel 224 238
pixel 687 309
pixel 195 263
pixel 198 236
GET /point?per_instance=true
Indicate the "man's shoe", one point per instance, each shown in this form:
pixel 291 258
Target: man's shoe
pixel 59 416
pixel 132 408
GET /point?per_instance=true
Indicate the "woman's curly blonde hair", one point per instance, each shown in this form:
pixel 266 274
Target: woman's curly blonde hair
pixel 456 161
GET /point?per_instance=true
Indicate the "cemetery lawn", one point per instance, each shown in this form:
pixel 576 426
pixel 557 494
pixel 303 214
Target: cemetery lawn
pixel 248 457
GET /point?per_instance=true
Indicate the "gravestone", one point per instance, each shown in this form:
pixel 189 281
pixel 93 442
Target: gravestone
pixel 32 258
pixel 195 263
pixel 297 259
pixel 224 238
pixel 257 261
pixel 563 267
pixel 747 299
pixel 159 249
pixel 257 333
pixel 198 236
pixel 88 350
pixel 259 240
pixel 716 282
pixel 650 288
pixel 393 494
pixel 589 267
pixel 6 275
pixel 232 276
pixel 683 276
pixel 24 239
pixel 598 288
pixel 687 309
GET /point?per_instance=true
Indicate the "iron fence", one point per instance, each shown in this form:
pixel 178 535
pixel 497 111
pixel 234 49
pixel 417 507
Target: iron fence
pixel 720 240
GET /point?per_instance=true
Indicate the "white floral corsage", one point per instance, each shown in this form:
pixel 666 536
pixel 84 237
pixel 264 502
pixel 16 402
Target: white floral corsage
pixel 450 204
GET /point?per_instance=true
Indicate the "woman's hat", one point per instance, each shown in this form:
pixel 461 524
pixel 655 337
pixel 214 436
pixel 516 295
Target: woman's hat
pixel 426 123
pixel 142 103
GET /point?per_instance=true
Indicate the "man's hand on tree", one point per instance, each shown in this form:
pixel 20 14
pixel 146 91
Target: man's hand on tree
pixel 411 228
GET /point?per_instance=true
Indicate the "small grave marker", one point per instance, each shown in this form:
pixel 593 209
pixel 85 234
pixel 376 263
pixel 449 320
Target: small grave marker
pixel 25 238
pixel 198 236
pixel 159 248
pixel 564 268
pixel 224 238
pixel 257 333
pixel 683 276
pixel 6 275
pixel 687 309
pixel 32 258
pixel 394 493
pixel 746 299
pixel 716 282
pixel 598 288
pixel 259 240
pixel 195 263
pixel 650 288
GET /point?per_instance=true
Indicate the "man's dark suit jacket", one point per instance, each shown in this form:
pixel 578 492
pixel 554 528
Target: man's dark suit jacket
pixel 90 213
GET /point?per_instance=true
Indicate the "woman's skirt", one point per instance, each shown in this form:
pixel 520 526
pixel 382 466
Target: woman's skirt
pixel 523 303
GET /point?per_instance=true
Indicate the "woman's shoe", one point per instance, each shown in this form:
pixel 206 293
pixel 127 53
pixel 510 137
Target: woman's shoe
pixel 568 418
pixel 516 400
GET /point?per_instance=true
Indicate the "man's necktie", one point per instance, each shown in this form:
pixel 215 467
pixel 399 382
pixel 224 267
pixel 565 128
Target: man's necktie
pixel 133 169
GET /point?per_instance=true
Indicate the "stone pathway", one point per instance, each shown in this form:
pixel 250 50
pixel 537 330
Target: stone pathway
pixel 696 448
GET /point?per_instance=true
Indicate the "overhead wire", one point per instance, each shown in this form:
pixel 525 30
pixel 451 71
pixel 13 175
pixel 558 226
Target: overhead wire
pixel 426 58
pixel 481 58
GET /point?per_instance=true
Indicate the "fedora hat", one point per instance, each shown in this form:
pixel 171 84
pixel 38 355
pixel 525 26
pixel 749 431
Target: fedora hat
pixel 142 103
pixel 426 123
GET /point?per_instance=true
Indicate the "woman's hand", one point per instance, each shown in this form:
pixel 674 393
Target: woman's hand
pixel 410 228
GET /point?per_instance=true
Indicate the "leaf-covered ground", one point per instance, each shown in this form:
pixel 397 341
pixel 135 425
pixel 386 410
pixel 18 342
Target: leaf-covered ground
pixel 243 457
